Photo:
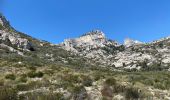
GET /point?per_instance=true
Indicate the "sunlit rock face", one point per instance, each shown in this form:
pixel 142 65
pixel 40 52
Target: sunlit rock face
pixel 91 40
pixel 10 37
pixel 14 40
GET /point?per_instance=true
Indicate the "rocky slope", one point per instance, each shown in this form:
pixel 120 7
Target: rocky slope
pixel 19 45
pixel 131 55
pixel 9 37
pixel 82 68
pixel 90 49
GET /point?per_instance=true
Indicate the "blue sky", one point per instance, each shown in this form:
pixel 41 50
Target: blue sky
pixel 55 20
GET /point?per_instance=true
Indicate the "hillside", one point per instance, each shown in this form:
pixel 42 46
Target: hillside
pixel 132 55
pixel 90 67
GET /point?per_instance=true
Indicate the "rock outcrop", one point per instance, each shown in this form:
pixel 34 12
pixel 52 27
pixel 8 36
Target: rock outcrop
pixel 11 38
pixel 133 54
pixel 92 40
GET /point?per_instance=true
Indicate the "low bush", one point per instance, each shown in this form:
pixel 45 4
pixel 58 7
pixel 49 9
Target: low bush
pixel 149 82
pixel 10 76
pixel 167 84
pixel 32 68
pixel 8 93
pixel 97 76
pixel 34 74
pixel 1 27
pixel 86 81
pixel 22 87
pixel 110 81
pixel 37 84
pixel 71 78
pixel 119 88
pixel 159 86
pixel 41 96
pixel 23 78
pixel 1 82
pixel 132 93
pixel 79 93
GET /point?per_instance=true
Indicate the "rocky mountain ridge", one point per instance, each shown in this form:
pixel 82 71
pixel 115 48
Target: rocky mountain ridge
pixel 132 54
pixel 90 67
pixel 91 49
pixel 92 40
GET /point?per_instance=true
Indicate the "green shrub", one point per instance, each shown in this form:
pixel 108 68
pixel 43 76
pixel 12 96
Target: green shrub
pixel 159 86
pixel 132 93
pixel 148 82
pixel 1 27
pixel 39 74
pixel 37 84
pixel 1 82
pixel 79 93
pixel 32 68
pixel 23 78
pixel 97 76
pixel 34 74
pixel 167 84
pixel 22 87
pixel 49 72
pixel 31 74
pixel 71 78
pixel 8 93
pixel 118 88
pixel 66 85
pixel 110 81
pixel 10 76
pixel 41 96
pixel 86 81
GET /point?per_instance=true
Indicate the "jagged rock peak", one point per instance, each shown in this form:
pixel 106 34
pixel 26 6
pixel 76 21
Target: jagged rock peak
pixel 4 22
pixel 92 40
pixel 1 19
pixel 94 32
pixel 129 42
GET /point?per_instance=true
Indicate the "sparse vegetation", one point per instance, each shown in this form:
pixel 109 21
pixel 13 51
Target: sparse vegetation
pixel 8 93
pixel 75 81
pixel 86 81
pixel 48 72
pixel 132 93
pixel 110 81
pixel 10 76
pixel 34 74
pixel 79 93
pixel 1 27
